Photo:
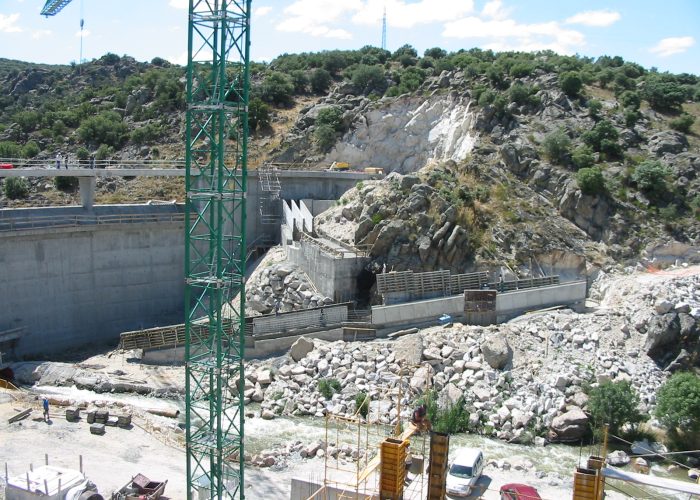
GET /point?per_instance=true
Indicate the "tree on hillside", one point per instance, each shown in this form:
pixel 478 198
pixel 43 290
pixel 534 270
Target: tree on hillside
pixel 663 93
pixel 678 402
pixel 258 114
pixel 367 79
pixel 277 89
pixel 556 146
pixel 435 53
pixel 650 177
pixel 320 80
pixel 615 404
pixel 571 83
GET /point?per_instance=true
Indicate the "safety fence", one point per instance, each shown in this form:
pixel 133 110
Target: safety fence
pixel 429 283
pixel 59 221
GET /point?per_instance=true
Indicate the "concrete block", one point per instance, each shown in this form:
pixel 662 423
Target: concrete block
pixel 72 414
pixel 98 429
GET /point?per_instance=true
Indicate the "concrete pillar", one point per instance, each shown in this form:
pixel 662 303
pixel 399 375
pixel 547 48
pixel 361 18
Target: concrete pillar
pixel 87 191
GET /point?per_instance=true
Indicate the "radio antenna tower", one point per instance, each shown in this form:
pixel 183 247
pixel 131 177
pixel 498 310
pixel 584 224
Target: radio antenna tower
pixel 384 30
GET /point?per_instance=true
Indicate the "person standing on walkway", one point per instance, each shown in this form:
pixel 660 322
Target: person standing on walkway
pixel 58 161
pixel 46 409
pixel 92 162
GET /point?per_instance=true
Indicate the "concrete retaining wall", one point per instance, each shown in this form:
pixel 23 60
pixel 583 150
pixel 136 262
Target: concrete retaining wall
pixel 302 490
pixel 253 350
pixel 333 276
pixel 508 305
pixel 74 286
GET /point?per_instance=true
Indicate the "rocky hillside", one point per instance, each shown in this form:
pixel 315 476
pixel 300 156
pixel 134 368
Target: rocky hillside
pixel 535 160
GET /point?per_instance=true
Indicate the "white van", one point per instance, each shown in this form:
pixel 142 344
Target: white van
pixel 465 470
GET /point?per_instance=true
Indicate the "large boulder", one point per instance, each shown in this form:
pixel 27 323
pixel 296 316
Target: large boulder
pixel 408 349
pixel 386 237
pixel 662 331
pixel 496 351
pixel 301 348
pixel 569 426
pixel 667 141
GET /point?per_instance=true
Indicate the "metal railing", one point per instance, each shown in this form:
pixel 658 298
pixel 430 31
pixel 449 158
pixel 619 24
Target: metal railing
pixel 71 163
pixel 59 221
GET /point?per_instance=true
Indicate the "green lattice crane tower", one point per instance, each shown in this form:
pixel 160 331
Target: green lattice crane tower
pixel 215 251
pixel 215 248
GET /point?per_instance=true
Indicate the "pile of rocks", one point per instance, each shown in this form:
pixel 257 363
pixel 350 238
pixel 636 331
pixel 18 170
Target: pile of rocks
pixel 282 288
pixel 519 380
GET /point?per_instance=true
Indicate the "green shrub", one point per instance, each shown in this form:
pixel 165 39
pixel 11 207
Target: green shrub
pixel 377 218
pixel 149 133
pixel 663 93
pixel 411 79
pixel 66 184
pixel 594 108
pixel 362 404
pixel 258 114
pixel 324 138
pixel 632 116
pixel 28 121
pixel 16 188
pixel 556 146
pixel 682 123
pixel 331 116
pixel 299 80
pixel 522 94
pixel 521 69
pixel 320 80
pixel 452 419
pixel 10 150
pixel 277 89
pixel 678 402
pixel 582 157
pixel 435 53
pixel 571 83
pixel 650 178
pixel 367 79
pixel 103 152
pixel 106 128
pixel 82 153
pixel 591 181
pixel 630 99
pixel 603 138
pixel 615 404
pixel 30 150
pixel 328 386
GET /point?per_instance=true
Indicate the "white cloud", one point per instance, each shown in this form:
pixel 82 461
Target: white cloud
pixel 180 59
pixel 495 10
pixel 8 23
pixel 598 18
pixel 674 45
pixel 402 14
pixel 262 11
pixel 85 33
pixel 41 34
pixel 315 17
pixel 329 18
pixel 180 4
pixel 508 34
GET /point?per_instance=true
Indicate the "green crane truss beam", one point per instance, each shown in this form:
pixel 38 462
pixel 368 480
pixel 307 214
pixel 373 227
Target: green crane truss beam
pixel 215 250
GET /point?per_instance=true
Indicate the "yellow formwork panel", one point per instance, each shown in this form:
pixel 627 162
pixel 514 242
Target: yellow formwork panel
pixel 392 471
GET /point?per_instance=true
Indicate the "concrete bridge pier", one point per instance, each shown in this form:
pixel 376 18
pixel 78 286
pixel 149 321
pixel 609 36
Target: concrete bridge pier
pixel 87 191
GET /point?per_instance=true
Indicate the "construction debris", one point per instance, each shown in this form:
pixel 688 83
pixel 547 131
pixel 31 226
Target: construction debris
pixel 20 416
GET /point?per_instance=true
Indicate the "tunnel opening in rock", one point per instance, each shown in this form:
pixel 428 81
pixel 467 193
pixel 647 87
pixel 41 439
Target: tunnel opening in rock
pixel 366 282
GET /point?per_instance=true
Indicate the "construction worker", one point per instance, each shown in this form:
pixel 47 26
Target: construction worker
pixel 45 404
pixel 420 419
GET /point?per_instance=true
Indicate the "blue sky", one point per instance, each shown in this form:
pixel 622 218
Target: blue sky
pixel 664 34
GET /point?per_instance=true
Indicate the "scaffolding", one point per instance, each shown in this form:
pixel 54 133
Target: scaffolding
pixel 374 443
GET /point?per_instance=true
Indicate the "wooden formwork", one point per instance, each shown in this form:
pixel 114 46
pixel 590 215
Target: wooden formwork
pixel 437 470
pixel 392 472
pixel 588 484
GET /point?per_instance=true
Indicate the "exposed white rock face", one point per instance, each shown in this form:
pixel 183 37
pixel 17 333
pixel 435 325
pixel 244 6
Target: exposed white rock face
pixel 407 133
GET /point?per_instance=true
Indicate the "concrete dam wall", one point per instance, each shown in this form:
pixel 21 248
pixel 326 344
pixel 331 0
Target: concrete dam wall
pixel 66 286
